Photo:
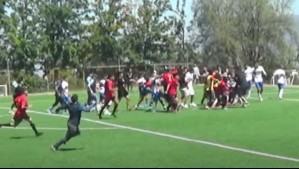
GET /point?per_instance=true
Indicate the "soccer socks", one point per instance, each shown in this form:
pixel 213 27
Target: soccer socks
pixel 6 125
pixel 249 94
pixel 115 109
pixel 13 106
pixel 281 91
pixel 192 99
pixel 34 129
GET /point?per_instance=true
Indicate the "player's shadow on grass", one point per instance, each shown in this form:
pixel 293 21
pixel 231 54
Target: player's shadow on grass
pixel 21 138
pixel 70 149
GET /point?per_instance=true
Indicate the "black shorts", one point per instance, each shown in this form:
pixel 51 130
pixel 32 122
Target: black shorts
pixel 167 97
pixel 122 94
pixel 242 91
pixel 18 119
pixel 108 99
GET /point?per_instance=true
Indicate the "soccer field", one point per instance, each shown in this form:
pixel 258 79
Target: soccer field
pixel 263 135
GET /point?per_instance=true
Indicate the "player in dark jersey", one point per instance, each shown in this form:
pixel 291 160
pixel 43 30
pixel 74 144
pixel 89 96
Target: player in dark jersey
pixel 58 91
pixel 129 80
pixel 242 86
pixel 75 111
pixel 122 91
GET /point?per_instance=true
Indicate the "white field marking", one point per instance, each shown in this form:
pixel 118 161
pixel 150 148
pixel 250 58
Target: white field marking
pixel 290 100
pixel 60 129
pixel 1 116
pixel 169 136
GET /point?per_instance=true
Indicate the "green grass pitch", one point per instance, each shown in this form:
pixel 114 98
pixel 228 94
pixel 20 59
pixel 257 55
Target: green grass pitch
pixel 143 139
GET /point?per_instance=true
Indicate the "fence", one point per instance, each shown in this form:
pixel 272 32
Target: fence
pixel 76 77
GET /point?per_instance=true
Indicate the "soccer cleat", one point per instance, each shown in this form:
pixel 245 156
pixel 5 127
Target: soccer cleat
pixel 54 149
pixel 106 112
pixel 39 134
pixel 193 105
pixel 49 111
pixel 165 108
pixel 114 115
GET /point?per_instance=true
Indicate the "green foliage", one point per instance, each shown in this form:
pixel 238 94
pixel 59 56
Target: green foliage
pixel 72 34
pixel 245 31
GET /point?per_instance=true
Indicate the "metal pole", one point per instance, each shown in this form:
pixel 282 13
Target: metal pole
pixel 8 76
pixel 118 64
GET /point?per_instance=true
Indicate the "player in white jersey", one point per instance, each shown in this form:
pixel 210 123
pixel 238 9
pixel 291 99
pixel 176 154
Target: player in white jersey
pixel 65 90
pixel 189 78
pixel 101 90
pixel 259 81
pixel 281 81
pixel 249 77
pixel 64 97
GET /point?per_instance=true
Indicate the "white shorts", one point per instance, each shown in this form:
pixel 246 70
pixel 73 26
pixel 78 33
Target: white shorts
pixel 191 91
pixel 185 92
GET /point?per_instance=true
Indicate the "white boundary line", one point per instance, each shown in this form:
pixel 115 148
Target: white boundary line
pixel 60 129
pixel 1 116
pixel 169 136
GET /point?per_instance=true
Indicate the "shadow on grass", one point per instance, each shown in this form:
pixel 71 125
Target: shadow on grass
pixel 70 149
pixel 22 137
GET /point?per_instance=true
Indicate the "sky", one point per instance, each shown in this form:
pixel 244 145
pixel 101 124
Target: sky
pixel 296 7
pixel 189 12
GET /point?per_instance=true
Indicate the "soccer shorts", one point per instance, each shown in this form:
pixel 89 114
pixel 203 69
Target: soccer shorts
pixel 17 119
pixel 185 92
pixel 249 84
pixel 122 94
pixel 242 91
pixel 102 96
pixel 281 86
pixel 259 85
pixel 157 96
pixel 191 91
pixel 109 99
pixel 144 91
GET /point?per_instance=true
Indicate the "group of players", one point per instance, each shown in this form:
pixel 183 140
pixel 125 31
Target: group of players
pixel 221 89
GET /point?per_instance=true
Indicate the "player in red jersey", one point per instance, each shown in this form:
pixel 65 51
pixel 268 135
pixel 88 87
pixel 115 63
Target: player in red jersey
pixel 221 92
pixel 21 112
pixel 109 96
pixel 172 90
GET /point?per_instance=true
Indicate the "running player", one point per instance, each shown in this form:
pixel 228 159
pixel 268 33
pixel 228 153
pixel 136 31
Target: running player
pixel 242 87
pixel 64 97
pixel 58 92
pixel 21 102
pixel 75 111
pixel 281 82
pixel 249 77
pixel 109 96
pixel 172 92
pixel 258 79
pixel 189 78
pixel 122 91
pixel 16 84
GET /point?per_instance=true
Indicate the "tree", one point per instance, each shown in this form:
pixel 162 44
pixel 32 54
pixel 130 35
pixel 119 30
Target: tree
pixel 244 31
